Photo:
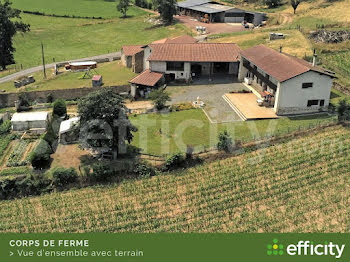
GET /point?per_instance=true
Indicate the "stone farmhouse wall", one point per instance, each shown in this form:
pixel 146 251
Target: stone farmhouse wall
pixel 8 100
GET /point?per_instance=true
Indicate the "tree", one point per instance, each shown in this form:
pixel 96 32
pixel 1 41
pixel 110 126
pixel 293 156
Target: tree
pixel 8 29
pixel 294 4
pixel 272 3
pixel 59 107
pixel 343 111
pixel 166 9
pixel 104 124
pixel 123 6
pixel 159 98
pixel 225 142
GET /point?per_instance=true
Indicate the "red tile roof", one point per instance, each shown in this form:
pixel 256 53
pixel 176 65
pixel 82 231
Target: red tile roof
pixel 201 52
pixel 147 78
pixel 280 66
pixel 130 50
pixel 184 39
pixel 96 77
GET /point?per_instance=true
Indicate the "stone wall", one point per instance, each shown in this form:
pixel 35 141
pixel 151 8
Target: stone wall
pixel 8 100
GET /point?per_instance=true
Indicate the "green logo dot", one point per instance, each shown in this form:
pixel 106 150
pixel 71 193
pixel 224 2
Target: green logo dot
pixel 281 252
pixel 275 252
pixel 269 246
pixel 281 246
pixel 269 252
pixel 275 240
pixel 326 243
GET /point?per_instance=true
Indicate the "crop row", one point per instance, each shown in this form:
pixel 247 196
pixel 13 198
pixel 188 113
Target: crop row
pixel 15 158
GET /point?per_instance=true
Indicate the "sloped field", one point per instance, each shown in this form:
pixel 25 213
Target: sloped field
pixel 299 186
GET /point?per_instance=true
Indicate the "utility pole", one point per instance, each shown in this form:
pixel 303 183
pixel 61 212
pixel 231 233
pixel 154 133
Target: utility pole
pixel 42 53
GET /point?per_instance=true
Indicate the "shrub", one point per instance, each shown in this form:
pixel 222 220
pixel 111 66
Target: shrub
pixel 159 98
pixel 175 161
pixel 33 185
pixel 144 170
pixel 5 127
pixel 101 172
pixel 64 176
pixel 40 157
pixel 343 111
pixel 49 98
pixel 23 100
pixel 59 107
pixel 225 142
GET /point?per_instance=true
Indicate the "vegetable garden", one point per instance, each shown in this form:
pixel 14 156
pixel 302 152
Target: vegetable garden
pixel 297 186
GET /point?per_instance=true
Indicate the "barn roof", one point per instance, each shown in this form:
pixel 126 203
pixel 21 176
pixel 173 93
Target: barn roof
pixel 211 8
pixel 147 78
pixel 29 117
pixel 130 50
pixel 199 52
pixel 190 3
pixel 280 66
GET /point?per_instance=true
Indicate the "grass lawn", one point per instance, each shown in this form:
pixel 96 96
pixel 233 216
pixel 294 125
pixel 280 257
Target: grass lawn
pixel 72 38
pixel 83 8
pixel 163 134
pixel 113 73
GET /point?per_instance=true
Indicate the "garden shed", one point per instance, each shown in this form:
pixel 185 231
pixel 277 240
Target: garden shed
pixel 28 121
pixel 66 133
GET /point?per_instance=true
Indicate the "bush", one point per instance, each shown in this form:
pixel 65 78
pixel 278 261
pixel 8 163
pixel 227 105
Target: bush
pixel 159 98
pixel 59 107
pixel 144 170
pixel 175 161
pixel 64 176
pixel 225 142
pixel 49 98
pixel 343 111
pixel 40 157
pixel 101 172
pixel 5 127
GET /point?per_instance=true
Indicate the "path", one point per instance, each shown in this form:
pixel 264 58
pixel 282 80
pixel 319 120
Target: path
pixel 52 65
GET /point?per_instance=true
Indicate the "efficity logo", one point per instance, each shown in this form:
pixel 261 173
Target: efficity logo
pixel 305 248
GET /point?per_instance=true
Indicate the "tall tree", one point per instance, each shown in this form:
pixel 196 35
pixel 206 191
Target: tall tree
pixel 8 29
pixel 123 6
pixel 294 4
pixel 104 124
pixel 167 10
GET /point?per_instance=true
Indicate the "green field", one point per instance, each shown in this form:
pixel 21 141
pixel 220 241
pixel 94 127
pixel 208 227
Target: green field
pixel 83 8
pixel 161 134
pixel 299 186
pixel 113 74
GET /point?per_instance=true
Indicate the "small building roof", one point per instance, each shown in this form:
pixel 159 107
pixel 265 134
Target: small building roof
pixel 183 39
pixel 96 78
pixel 280 66
pixel 83 63
pixel 147 78
pixel 130 50
pixel 68 124
pixel 199 52
pixel 29 117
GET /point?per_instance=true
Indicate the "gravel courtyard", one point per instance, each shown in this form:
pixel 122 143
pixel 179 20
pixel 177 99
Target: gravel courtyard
pixel 216 108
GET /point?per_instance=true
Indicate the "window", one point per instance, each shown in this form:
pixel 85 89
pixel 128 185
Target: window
pixel 312 103
pixel 175 66
pixel 322 102
pixel 307 85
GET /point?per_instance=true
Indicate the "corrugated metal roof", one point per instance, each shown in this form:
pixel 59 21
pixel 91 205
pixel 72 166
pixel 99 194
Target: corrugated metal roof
pixel 189 3
pixel 29 117
pixel 211 8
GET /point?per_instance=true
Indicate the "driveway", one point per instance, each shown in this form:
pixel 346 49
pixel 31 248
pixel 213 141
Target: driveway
pixel 216 108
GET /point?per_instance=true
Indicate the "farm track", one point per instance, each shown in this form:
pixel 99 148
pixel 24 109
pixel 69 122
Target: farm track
pixel 298 186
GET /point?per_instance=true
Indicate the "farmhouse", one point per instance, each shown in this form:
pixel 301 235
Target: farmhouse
pixel 188 61
pixel 289 84
pixel 30 121
pixel 211 11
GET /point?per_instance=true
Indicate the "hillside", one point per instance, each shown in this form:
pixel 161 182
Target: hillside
pixel 299 186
